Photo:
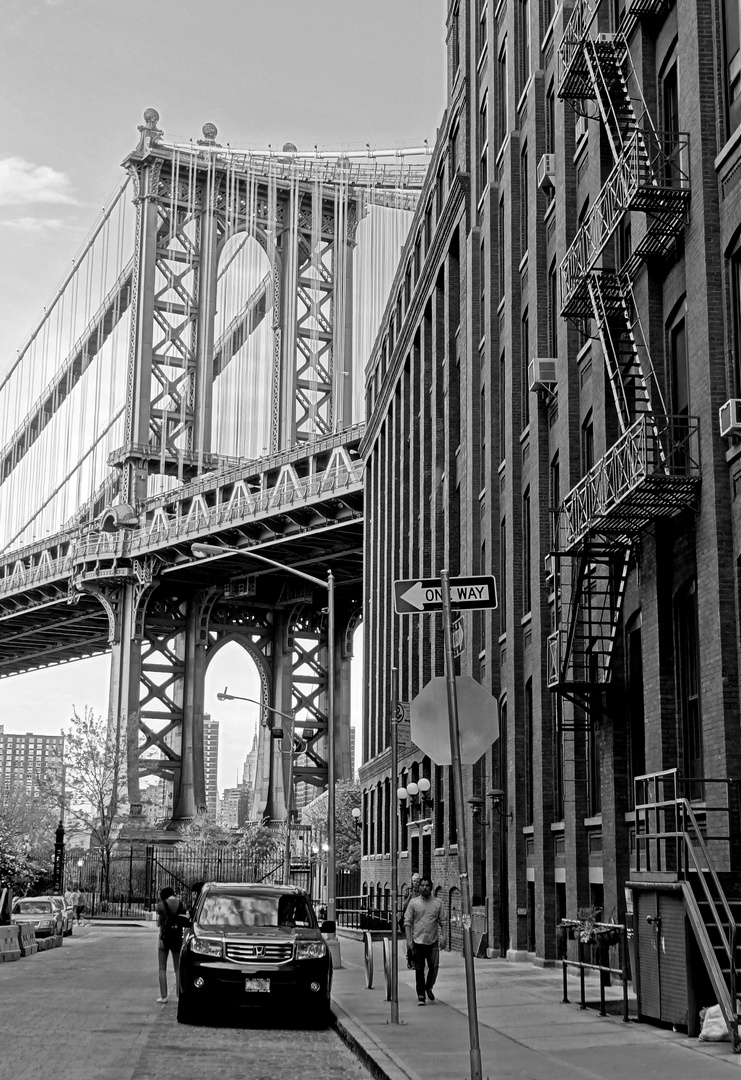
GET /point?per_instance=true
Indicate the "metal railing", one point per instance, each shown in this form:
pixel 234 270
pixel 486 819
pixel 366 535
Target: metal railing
pixel 673 818
pixel 606 934
pixel 652 174
pixel 651 447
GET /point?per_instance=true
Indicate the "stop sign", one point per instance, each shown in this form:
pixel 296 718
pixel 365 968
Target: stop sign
pixel 478 720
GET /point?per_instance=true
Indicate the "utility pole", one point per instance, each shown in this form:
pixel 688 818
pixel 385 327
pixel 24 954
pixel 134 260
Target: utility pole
pixel 460 812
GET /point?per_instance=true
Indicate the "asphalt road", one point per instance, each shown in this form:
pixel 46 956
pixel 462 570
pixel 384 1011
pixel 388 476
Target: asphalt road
pixel 88 1011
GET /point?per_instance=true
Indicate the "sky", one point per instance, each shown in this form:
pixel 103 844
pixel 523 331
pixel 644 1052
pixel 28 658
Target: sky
pixel 75 79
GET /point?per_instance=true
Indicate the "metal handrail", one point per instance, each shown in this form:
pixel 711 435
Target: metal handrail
pixel 688 838
pixel 731 940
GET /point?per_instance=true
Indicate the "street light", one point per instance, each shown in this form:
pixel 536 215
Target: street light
pixel 202 551
pixel 298 748
pixel 356 819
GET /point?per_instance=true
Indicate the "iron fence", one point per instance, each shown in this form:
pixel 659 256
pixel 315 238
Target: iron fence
pixel 136 876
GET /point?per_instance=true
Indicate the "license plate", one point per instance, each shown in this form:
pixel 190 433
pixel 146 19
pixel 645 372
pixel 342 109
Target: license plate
pixel 257 986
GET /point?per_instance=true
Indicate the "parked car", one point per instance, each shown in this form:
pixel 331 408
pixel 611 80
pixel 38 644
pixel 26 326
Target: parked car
pixel 40 912
pixel 253 945
pixel 67 914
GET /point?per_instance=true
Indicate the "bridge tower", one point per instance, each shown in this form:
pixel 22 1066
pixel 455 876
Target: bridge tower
pixel 191 201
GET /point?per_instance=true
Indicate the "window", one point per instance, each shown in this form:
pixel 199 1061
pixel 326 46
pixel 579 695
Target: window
pixel 553 309
pixel 454 44
pixel 558 778
pixel 587 445
pixel 594 770
pixel 529 754
pixel 736 302
pixel 451 809
pixel 482 439
pixel 554 497
pixel 636 729
pixel 501 248
pixel 502 407
pixel 482 290
pixel 502 118
pixel 523 203
pixel 524 43
pixel 731 21
pixel 549 10
pixel 526 554
pixel 679 390
pixel 483 145
pixel 524 361
pixel 688 685
pixel 483 29
pixel 670 117
pixel 502 590
pixel 439 807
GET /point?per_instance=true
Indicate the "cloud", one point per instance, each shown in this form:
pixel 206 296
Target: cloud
pixel 35 224
pixel 24 184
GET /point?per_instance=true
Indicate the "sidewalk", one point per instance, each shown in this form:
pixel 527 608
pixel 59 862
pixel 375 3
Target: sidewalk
pixel 525 1032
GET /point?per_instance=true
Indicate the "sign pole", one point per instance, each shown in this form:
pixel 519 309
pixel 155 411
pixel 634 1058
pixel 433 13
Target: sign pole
pixel 394 851
pixel 457 775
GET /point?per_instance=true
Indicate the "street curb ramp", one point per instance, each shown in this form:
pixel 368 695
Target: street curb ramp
pixel 381 1062
pixel 29 945
pixel 10 944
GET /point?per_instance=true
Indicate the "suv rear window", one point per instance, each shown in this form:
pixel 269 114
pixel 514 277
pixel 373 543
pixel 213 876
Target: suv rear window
pixel 254 910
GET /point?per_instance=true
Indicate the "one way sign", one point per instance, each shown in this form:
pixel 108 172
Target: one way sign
pixel 417 596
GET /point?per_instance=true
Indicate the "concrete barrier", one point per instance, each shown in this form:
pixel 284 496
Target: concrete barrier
pixel 10 944
pixel 28 940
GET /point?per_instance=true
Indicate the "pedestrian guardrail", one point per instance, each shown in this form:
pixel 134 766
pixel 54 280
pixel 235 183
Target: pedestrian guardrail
pixel 601 936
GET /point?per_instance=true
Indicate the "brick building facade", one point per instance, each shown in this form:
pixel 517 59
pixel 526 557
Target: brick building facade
pixel 542 403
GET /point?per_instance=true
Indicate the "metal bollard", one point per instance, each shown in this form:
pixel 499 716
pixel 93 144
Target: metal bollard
pixel 565 998
pixel 583 1002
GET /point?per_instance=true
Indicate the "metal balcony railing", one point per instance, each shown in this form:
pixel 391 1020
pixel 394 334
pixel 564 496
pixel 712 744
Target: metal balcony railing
pixel 652 175
pixel 652 471
pixel 574 80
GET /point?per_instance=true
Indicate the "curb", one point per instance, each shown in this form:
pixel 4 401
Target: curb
pixel 381 1062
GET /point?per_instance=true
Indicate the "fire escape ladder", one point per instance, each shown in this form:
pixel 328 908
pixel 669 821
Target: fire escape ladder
pixel 605 57
pixel 629 367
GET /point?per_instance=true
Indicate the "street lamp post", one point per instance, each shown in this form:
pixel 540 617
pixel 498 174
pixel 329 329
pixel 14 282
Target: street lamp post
pixel 292 750
pixel 207 550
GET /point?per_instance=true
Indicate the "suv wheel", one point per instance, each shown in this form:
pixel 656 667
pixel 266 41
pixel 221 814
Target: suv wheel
pixel 185 1011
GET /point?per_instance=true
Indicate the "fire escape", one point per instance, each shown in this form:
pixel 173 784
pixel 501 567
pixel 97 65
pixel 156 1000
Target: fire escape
pixel 652 469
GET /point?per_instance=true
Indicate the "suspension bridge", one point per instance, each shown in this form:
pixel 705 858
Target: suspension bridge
pixel 197 377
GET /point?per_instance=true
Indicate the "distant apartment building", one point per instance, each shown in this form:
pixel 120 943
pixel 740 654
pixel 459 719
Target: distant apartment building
pixel 234 807
pixel 211 762
pixel 24 758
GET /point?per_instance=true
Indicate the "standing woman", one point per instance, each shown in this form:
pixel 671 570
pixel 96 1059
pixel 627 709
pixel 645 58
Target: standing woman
pixel 170 937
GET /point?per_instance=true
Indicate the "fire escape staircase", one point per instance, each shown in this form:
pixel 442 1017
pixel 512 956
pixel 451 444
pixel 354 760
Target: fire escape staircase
pixel 676 837
pixel 652 470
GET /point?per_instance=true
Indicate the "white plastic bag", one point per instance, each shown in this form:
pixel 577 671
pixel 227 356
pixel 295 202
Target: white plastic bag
pixel 714 1027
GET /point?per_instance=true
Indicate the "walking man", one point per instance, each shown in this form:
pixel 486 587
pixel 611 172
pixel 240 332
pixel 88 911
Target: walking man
pixel 423 925
pixel 171 937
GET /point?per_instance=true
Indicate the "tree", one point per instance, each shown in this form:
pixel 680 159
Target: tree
pixel 94 786
pixel 17 871
pixel 30 822
pixel 347 841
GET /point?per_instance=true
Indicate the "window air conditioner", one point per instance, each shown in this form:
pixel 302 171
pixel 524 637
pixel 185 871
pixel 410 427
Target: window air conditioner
pixel 547 171
pixel 730 418
pixel 541 373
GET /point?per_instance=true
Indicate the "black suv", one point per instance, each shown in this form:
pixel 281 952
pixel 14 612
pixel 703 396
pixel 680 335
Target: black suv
pixel 253 945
